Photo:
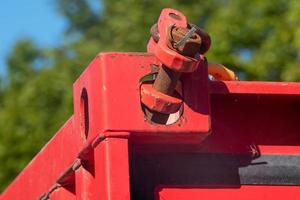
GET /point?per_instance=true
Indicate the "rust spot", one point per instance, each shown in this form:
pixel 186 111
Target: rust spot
pixel 190 48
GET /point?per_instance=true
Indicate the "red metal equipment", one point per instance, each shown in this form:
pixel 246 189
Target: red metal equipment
pixel 232 140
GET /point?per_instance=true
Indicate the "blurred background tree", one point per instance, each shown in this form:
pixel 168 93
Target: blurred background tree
pixel 257 39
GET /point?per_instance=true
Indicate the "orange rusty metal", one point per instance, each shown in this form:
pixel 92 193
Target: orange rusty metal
pixel 172 59
pixel 178 45
pixel 158 101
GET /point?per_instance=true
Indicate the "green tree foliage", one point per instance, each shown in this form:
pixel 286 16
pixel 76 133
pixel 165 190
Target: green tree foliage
pixel 258 39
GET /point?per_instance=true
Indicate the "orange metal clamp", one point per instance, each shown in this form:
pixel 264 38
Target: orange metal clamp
pixel 171 29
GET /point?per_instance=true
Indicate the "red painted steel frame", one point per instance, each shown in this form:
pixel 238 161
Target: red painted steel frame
pixel 89 157
pixel 244 192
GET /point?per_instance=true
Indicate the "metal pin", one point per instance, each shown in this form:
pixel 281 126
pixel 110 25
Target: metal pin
pixel 186 37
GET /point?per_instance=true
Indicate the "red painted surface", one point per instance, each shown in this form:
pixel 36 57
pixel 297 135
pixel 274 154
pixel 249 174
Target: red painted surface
pixel 255 87
pixel 62 193
pixel 41 173
pixel 112 84
pixel 244 192
pixel 158 101
pixel 218 117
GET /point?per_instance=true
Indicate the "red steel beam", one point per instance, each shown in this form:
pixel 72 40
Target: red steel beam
pixel 40 174
pixel 254 87
pixel 244 192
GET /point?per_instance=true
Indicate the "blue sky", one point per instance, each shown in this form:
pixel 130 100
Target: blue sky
pixel 37 19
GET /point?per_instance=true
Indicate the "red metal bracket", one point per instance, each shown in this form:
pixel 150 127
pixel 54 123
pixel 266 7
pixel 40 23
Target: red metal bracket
pixel 116 106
